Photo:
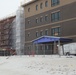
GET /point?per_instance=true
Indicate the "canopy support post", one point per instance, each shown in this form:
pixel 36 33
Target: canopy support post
pixel 37 49
pixel 59 47
pixel 54 47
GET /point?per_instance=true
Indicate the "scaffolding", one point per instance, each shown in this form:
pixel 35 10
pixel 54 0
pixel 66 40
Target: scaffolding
pixel 14 34
pixel 20 31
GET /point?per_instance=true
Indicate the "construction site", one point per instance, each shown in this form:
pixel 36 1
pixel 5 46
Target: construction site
pixel 12 33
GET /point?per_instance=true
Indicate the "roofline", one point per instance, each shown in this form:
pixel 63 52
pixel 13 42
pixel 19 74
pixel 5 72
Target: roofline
pixel 30 2
pixel 7 18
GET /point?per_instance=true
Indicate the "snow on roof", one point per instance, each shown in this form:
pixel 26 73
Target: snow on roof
pixel 8 16
pixel 27 3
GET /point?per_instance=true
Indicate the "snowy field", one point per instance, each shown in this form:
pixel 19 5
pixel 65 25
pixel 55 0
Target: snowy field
pixel 38 65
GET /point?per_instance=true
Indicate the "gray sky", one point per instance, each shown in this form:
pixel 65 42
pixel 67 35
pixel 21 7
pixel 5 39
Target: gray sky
pixel 8 7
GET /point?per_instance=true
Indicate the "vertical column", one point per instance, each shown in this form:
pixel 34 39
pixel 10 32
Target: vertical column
pixel 54 47
pixel 44 48
pixel 37 49
pixel 59 47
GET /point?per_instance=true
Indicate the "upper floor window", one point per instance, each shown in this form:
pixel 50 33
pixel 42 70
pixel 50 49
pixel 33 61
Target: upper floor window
pixel 41 5
pixel 36 20
pixel 55 31
pixel 46 32
pixel 55 2
pixel 36 7
pixel 28 21
pixel 41 19
pixel 41 33
pixel 28 9
pixel 36 33
pixel 46 18
pixel 29 47
pixel 46 3
pixel 28 34
pixel 55 16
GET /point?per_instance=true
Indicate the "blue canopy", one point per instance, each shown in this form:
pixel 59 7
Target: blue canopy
pixel 46 39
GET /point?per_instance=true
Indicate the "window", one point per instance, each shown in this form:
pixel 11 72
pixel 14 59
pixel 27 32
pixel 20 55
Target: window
pixel 46 47
pixel 46 32
pixel 55 16
pixel 36 48
pixel 36 7
pixel 29 47
pixel 28 34
pixel 41 5
pixel 46 3
pixel 55 31
pixel 55 2
pixel 41 33
pixel 28 9
pixel 36 20
pixel 46 18
pixel 37 34
pixel 41 19
pixel 28 21
pixel 41 47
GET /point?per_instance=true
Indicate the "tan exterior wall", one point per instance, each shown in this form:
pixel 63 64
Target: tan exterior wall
pixel 66 22
pixel 67 19
pixel 33 10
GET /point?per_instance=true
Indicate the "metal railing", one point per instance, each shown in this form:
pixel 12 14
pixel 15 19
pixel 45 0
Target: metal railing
pixel 41 49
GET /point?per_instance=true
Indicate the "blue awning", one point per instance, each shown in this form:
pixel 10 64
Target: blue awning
pixel 46 39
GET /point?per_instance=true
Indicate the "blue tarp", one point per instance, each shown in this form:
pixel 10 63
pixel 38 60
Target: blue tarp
pixel 46 39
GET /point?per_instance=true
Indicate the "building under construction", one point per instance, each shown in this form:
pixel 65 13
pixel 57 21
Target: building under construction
pixel 12 34
pixel 6 35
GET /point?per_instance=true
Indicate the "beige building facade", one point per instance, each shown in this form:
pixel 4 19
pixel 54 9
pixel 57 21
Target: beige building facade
pixel 49 18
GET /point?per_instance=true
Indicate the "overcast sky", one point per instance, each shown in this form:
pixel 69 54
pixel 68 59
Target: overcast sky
pixel 8 7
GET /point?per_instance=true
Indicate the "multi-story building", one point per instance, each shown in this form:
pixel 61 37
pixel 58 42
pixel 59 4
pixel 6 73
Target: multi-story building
pixel 12 33
pixel 6 33
pixel 51 18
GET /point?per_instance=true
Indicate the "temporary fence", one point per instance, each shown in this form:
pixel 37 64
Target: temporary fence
pixel 41 49
pixel 4 53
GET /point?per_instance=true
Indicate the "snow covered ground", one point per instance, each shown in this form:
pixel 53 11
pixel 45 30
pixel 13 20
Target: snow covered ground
pixel 38 65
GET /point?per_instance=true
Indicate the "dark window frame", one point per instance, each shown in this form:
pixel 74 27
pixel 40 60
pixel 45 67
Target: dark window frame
pixel 28 9
pixel 41 5
pixel 55 31
pixel 28 21
pixel 55 16
pixel 36 7
pixel 46 18
pixel 37 20
pixel 29 34
pixel 46 4
pixel 41 33
pixel 41 19
pixel 46 32
pixel 55 2
pixel 37 34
